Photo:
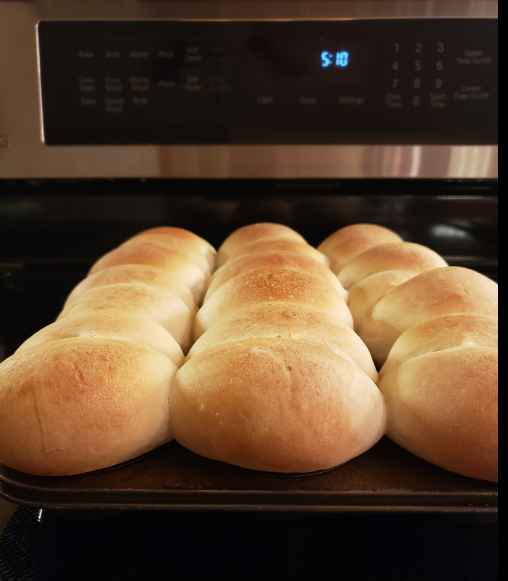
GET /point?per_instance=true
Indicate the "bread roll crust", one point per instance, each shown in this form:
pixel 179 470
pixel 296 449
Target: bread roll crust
pixel 276 405
pixel 442 333
pixel 349 242
pixel 234 244
pixel 156 304
pixel 443 407
pixel 281 260
pixel 173 261
pixel 286 322
pixel 78 405
pixel 398 256
pixel 366 294
pixel 279 245
pixel 111 324
pixel 174 243
pixel 270 285
pixel 444 291
pixel 200 243
pixel 134 274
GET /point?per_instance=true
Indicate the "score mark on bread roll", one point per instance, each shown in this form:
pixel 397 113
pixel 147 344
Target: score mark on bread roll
pixel 173 261
pixel 281 260
pixel 285 322
pixel 398 256
pixel 157 304
pixel 277 405
pixel 233 246
pixel 111 324
pixel 109 405
pixel 270 285
pixel 272 246
pixel 444 291
pixel 134 274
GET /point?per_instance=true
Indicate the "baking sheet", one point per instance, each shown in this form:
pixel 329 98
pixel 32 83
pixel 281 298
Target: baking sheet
pixel 385 479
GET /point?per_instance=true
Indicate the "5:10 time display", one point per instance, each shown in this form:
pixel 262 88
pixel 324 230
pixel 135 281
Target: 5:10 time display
pixel 334 60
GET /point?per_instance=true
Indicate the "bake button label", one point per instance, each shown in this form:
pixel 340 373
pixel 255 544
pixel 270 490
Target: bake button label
pixel 88 102
pixel 307 100
pixel 265 100
pixel 86 54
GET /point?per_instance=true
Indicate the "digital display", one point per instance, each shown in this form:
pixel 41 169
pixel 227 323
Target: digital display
pixel 335 59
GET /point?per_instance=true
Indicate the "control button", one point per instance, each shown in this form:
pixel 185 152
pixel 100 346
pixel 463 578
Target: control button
pixel 472 93
pixel 86 54
pixel 87 102
pixel 166 54
pixel 87 84
pixel 113 55
pixel 265 100
pixel 140 84
pixel 304 100
pixel 114 105
pixel 218 54
pixel 139 54
pixel 352 100
pixel 438 100
pixel 166 83
pixel 474 58
pixel 394 100
pixel 219 84
pixel 113 84
pixel 140 101
pixel 192 54
pixel 193 84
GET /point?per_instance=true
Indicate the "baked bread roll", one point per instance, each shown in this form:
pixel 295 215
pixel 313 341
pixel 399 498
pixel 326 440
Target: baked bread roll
pixel 443 406
pixel 174 243
pixel 277 405
pixel 346 244
pixel 366 294
pixel 77 405
pixel 444 291
pixel 157 304
pixel 281 321
pixel 173 261
pixel 440 333
pixel 279 245
pixel 206 249
pixel 280 260
pixel 233 246
pixel 398 256
pixel 271 285
pixel 111 324
pixel 135 274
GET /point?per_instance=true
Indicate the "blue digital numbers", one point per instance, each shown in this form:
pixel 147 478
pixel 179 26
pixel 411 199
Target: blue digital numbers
pixel 335 59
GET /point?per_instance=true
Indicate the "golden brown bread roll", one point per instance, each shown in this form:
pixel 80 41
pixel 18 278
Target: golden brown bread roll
pixel 397 256
pixel 281 260
pixel 234 244
pixel 444 291
pixel 270 285
pixel 277 405
pixel 443 407
pixel 206 249
pixel 135 274
pixel 441 333
pixel 174 243
pixel 279 245
pixel 351 241
pixel 290 322
pixel 365 295
pixel 157 304
pixel 176 263
pixel 77 405
pixel 111 324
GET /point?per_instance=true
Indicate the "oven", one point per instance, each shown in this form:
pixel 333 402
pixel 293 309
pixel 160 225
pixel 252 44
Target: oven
pixel 209 115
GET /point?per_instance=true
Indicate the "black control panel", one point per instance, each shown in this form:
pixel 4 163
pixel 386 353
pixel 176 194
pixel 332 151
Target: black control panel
pixel 335 82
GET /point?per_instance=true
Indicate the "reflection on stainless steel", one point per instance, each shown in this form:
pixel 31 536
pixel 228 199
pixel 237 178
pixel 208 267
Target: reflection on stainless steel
pixel 20 116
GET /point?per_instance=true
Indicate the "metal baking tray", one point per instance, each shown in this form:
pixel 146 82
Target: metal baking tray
pixel 385 479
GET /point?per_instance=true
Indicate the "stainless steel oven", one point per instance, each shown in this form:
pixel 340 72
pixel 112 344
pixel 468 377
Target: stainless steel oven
pixel 120 115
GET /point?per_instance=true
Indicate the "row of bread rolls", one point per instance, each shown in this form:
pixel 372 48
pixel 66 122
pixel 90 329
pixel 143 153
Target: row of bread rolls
pixel 277 381
pixel 91 390
pixel 434 329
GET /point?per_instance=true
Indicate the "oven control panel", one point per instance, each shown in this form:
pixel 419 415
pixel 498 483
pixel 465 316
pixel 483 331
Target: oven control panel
pixel 401 82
